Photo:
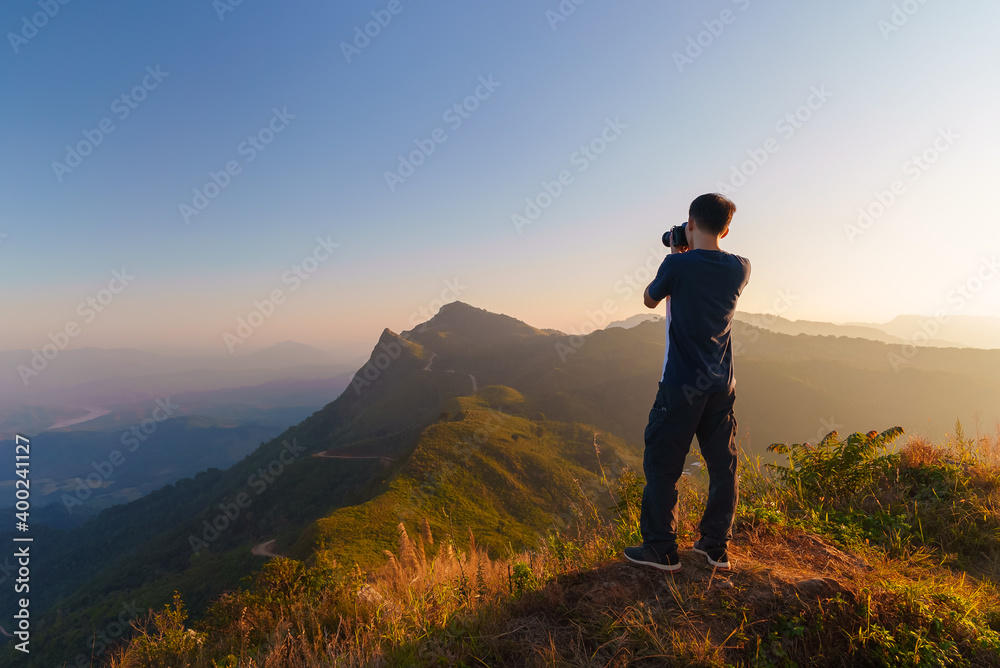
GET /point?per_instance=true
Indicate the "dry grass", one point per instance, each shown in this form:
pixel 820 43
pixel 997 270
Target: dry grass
pixel 794 598
pixel 616 614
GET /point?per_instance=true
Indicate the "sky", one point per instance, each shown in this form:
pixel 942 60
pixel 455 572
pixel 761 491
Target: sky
pixel 321 171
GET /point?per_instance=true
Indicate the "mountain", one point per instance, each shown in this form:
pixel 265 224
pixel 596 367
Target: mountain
pixel 378 435
pixel 91 388
pixel 967 330
pixel 948 331
pixel 279 402
pixel 954 331
pixel 634 320
pixel 286 354
pixel 472 420
pixel 859 556
pixel 781 325
pixel 76 374
pixel 81 472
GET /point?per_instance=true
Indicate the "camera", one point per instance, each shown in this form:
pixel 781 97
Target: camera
pixel 677 234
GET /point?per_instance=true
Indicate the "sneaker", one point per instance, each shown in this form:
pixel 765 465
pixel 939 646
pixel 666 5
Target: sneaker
pixel 647 556
pixel 717 556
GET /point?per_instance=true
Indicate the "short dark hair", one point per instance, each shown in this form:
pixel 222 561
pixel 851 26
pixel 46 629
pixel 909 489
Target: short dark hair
pixel 712 212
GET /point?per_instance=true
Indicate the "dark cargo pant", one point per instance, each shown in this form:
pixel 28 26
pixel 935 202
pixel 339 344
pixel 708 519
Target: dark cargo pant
pixel 675 419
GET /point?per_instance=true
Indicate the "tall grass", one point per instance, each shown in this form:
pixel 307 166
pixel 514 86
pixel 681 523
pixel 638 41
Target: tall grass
pixel 914 515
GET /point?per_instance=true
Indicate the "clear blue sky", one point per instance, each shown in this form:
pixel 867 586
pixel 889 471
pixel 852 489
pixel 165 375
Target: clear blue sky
pixel 680 130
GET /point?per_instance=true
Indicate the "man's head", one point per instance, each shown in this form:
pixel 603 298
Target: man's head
pixel 711 214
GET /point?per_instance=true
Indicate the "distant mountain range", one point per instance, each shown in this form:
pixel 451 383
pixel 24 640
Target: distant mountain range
pixel 629 323
pixel 925 331
pixel 781 325
pixel 473 420
pixel 75 474
pixel 952 332
pixel 79 385
pixel 28 374
pixel 967 330
pixel 90 401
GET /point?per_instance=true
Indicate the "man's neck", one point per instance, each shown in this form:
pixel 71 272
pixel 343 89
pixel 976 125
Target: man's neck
pixel 704 242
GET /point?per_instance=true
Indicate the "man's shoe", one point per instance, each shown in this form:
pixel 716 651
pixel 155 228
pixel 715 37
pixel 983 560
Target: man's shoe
pixel 717 556
pixel 647 556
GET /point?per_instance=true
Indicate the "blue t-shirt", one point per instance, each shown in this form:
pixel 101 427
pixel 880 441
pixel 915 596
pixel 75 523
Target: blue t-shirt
pixel 703 286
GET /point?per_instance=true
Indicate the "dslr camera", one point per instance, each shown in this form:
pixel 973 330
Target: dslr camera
pixel 677 235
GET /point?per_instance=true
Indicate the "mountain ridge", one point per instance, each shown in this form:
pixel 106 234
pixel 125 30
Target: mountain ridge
pixel 413 399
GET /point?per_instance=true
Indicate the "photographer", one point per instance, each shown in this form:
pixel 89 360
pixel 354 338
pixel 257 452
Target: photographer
pixel 701 284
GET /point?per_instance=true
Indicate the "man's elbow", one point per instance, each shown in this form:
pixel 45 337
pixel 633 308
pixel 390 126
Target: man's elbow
pixel 649 301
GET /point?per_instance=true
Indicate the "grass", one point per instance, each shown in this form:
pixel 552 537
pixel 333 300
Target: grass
pixel 854 553
pixel 499 473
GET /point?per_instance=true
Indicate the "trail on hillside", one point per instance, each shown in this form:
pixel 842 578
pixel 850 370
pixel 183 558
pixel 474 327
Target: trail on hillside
pixel 264 549
pixel 326 454
pixel 475 386
pixel 430 361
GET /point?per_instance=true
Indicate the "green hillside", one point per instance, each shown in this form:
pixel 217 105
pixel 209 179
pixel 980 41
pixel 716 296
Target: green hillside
pixel 853 552
pixel 410 440
pixel 486 468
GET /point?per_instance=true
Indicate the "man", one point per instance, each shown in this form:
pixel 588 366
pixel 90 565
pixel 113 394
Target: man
pixel 701 284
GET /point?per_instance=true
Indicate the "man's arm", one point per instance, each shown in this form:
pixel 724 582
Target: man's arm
pixel 662 281
pixel 646 299
pixel 649 301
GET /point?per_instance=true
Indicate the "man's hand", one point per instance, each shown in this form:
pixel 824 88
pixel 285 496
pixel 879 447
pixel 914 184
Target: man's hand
pixel 677 249
pixel 649 301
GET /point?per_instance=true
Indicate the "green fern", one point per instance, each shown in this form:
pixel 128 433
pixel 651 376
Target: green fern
pixel 836 471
